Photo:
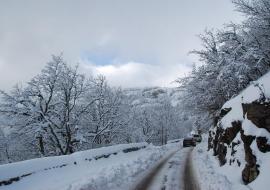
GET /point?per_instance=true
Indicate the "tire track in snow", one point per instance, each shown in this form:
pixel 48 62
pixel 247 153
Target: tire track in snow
pixel 147 181
pixel 174 172
pixel 189 178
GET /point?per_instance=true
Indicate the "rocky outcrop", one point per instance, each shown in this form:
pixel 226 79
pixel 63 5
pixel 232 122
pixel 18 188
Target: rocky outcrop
pixel 262 144
pixel 259 113
pixel 251 170
pixel 221 139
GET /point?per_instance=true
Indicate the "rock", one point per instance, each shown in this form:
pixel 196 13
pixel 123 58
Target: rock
pixel 221 154
pixel 249 157
pixel 224 111
pixel 210 140
pixel 230 133
pixel 221 114
pixel 249 173
pixel 220 139
pixel 258 113
pixel 262 144
pixel 216 140
pixel 234 144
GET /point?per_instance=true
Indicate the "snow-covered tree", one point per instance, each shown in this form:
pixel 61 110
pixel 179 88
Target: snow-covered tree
pixel 104 120
pixel 48 107
pixel 232 57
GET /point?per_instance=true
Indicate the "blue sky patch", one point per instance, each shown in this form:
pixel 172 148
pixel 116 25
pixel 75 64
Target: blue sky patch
pixel 98 58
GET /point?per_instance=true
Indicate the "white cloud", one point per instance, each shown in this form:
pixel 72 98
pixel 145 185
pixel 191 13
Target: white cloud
pixel 156 33
pixel 104 40
pixel 133 74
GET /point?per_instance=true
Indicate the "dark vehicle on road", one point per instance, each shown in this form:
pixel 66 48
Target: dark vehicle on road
pixel 198 138
pixel 189 141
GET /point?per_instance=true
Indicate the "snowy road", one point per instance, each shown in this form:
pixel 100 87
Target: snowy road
pixel 173 172
pixel 189 176
pixel 148 167
pixel 115 167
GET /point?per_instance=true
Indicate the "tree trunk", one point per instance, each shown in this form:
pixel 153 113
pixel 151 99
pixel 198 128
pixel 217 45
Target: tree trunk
pixel 41 145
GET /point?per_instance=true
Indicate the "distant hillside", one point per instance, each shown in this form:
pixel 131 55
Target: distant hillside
pixel 149 95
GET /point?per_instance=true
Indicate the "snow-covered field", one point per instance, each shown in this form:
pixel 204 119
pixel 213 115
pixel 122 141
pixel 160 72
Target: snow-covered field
pixel 115 167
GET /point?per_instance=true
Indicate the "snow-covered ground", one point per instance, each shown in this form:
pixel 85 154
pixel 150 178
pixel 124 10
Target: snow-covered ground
pixel 210 175
pixel 168 173
pixel 175 170
pixel 228 177
pixel 263 159
pixel 255 91
pixel 115 167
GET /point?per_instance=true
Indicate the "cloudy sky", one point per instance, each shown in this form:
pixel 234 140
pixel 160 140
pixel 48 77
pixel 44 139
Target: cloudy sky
pixel 134 43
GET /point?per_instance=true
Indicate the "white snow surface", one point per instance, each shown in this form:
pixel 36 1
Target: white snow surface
pixel 116 172
pixel 170 175
pixel 248 95
pixel 233 172
pixel 251 129
pixel 210 175
pixel 263 159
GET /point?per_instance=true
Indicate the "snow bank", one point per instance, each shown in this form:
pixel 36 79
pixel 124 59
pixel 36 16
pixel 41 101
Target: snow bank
pixel 175 141
pixel 251 129
pixel 210 175
pixel 41 164
pixel 250 94
pixel 263 159
pixel 238 159
pixel 113 168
